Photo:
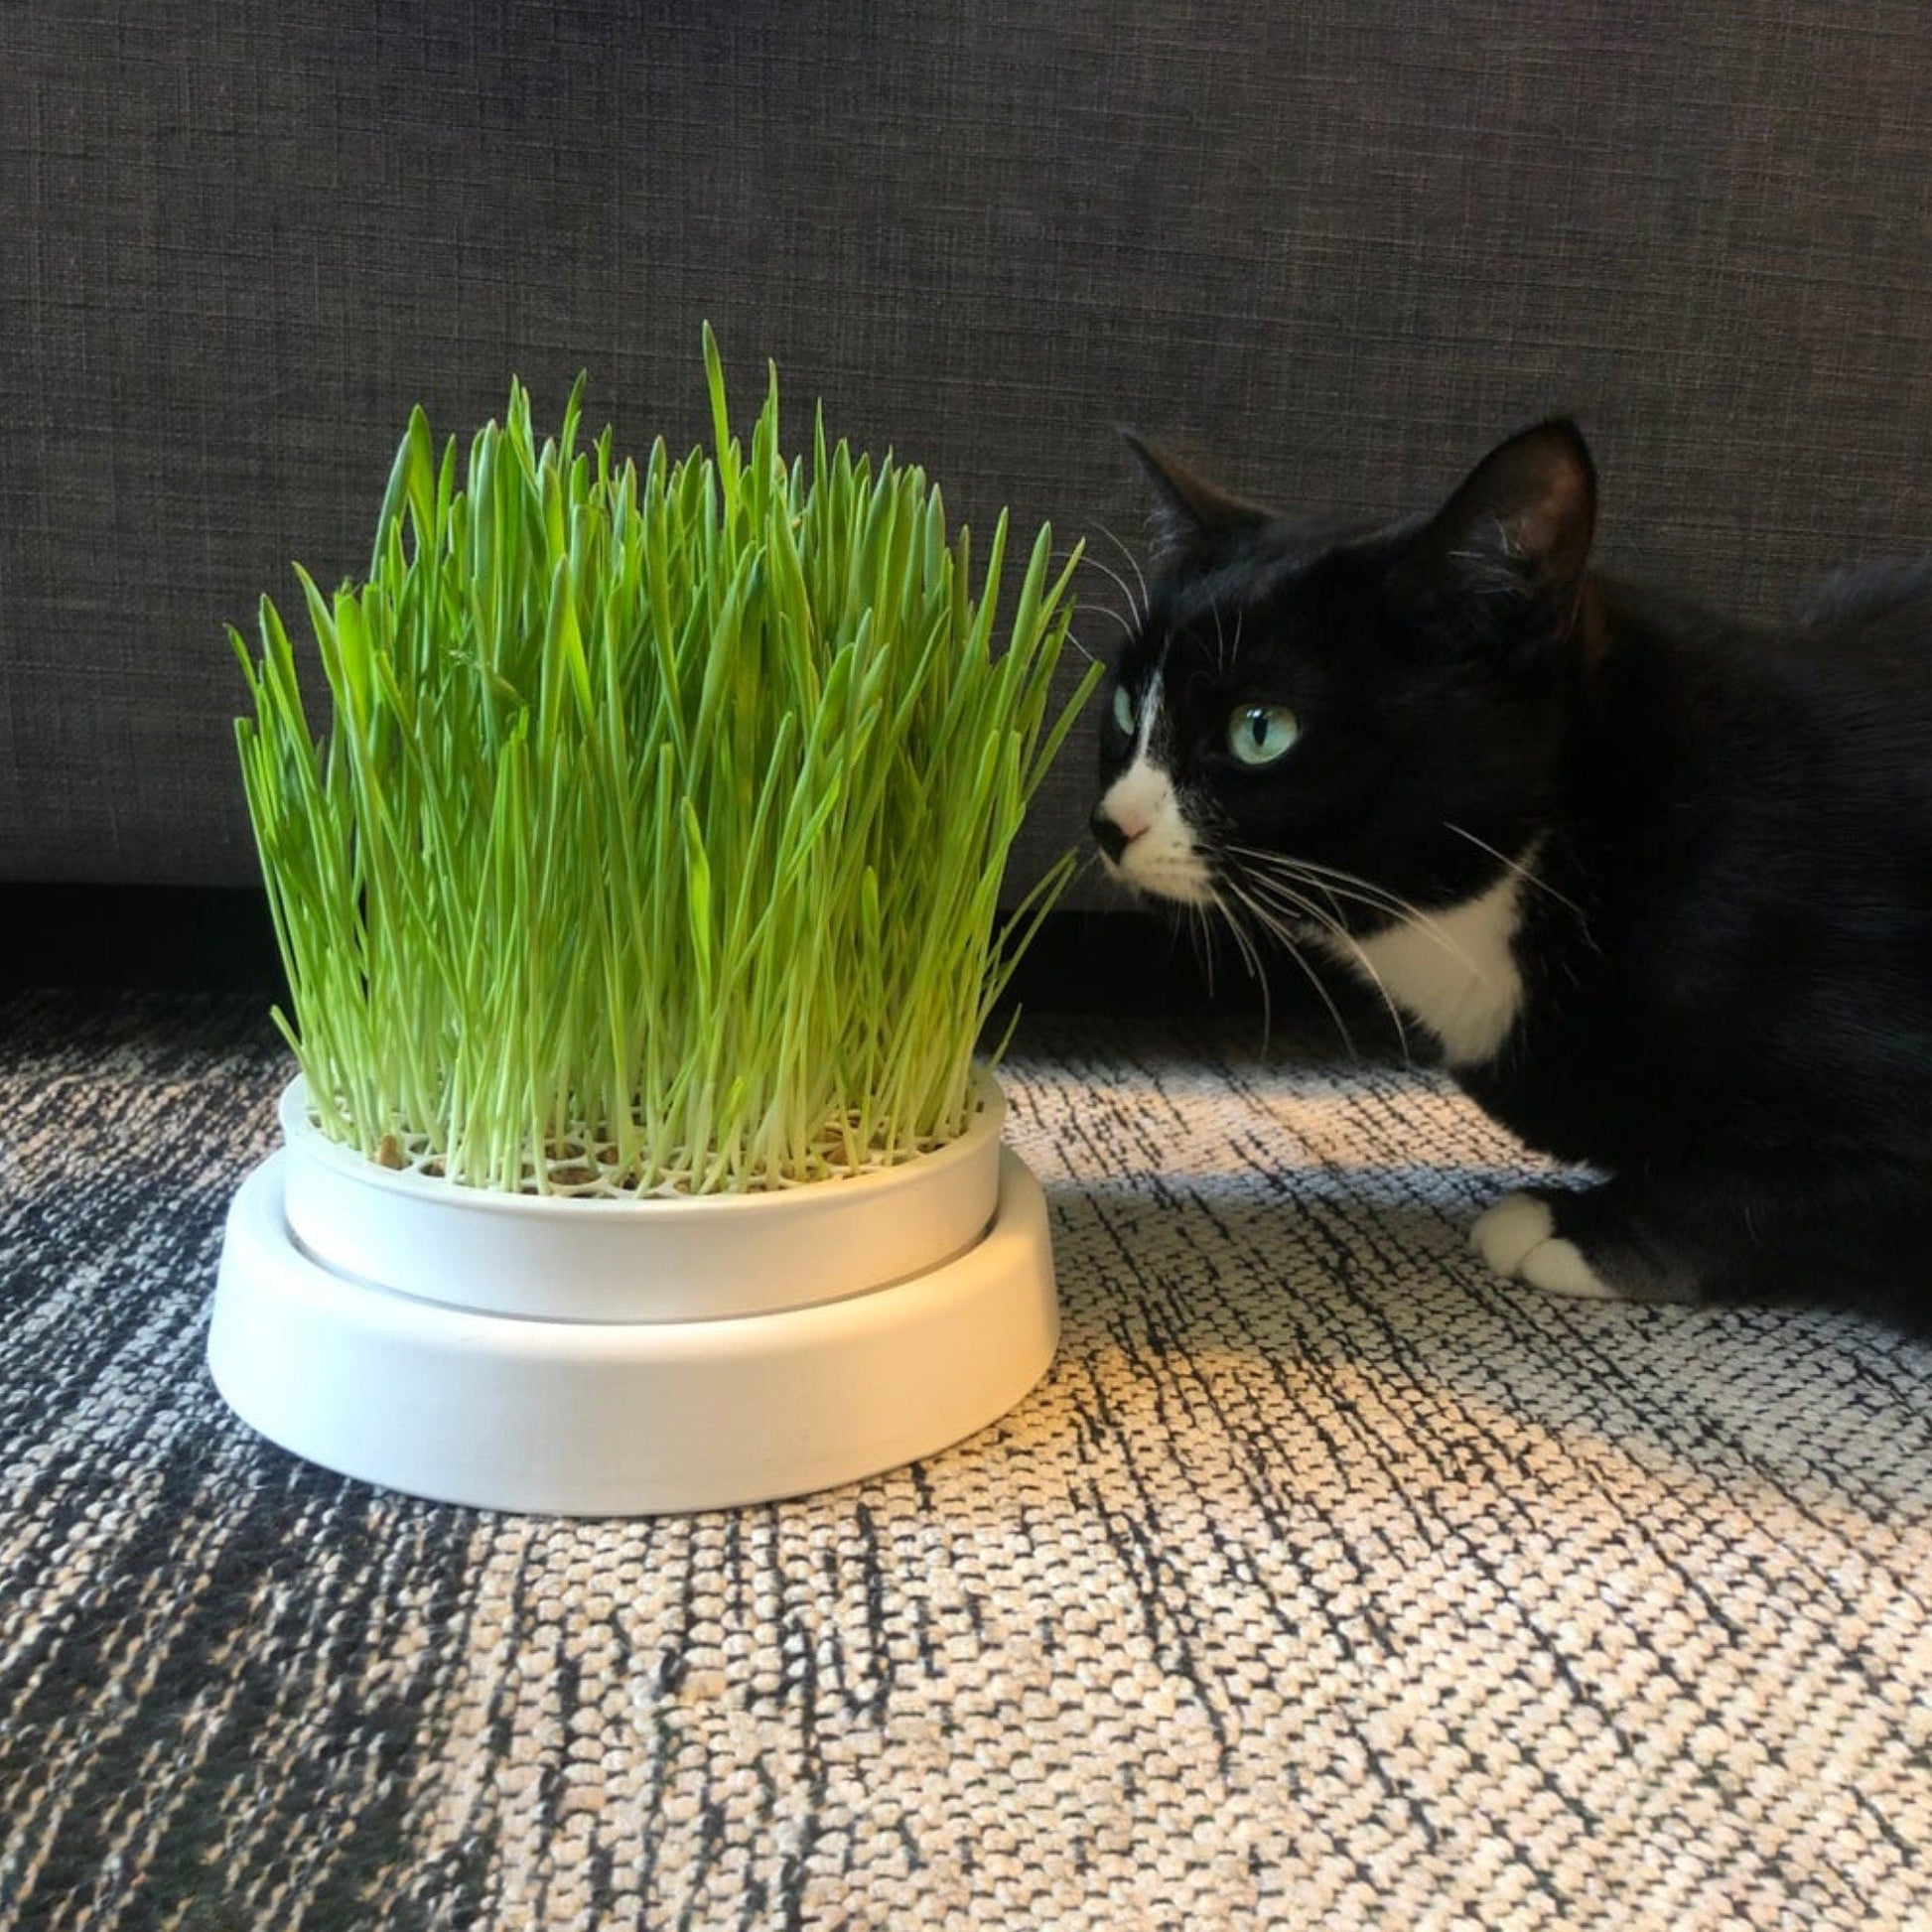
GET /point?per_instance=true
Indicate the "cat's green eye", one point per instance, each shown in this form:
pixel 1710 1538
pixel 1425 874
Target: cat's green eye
pixel 1259 734
pixel 1123 710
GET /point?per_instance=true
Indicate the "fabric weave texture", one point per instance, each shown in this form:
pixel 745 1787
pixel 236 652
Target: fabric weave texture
pixel 1325 1581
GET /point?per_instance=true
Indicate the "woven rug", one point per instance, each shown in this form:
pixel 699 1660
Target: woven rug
pixel 1324 1583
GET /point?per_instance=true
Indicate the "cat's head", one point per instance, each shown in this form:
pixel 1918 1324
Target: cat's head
pixel 1377 706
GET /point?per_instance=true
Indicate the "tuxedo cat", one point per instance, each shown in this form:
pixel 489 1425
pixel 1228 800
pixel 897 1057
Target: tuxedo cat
pixel 1656 882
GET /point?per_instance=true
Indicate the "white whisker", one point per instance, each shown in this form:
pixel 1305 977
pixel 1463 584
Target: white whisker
pixel 1523 873
pixel 1120 583
pixel 1199 914
pixel 1107 611
pixel 1271 882
pixel 1252 960
pixel 1330 879
pixel 1287 943
pixel 1271 868
pixel 1220 639
pixel 1145 601
pixel 1348 940
pixel 1313 914
pixel 1199 939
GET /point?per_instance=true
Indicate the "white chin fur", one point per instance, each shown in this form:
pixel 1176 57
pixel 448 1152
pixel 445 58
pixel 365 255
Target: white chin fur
pixel 1184 879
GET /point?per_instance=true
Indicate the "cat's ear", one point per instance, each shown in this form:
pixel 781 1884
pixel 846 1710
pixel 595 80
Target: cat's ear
pixel 1525 513
pixel 1192 516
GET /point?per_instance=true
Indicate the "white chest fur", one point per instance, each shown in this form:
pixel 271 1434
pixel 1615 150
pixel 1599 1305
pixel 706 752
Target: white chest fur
pixel 1452 970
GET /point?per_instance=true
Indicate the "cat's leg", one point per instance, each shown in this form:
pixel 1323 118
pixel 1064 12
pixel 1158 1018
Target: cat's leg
pixel 1845 1231
pixel 1605 1243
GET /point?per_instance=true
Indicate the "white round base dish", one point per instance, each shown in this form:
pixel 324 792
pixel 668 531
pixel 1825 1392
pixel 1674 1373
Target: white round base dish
pixel 586 1418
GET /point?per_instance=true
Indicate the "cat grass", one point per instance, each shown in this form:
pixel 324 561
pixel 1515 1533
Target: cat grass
pixel 663 809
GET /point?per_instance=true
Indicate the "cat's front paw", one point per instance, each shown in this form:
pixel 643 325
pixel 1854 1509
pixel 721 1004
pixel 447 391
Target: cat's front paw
pixel 1518 1238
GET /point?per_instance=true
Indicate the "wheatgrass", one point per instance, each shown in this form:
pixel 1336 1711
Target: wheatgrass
pixel 662 813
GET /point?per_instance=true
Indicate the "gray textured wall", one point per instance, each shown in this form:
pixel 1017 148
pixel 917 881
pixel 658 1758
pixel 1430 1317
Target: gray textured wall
pixel 1339 247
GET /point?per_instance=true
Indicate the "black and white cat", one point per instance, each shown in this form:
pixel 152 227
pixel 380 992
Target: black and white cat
pixel 1657 882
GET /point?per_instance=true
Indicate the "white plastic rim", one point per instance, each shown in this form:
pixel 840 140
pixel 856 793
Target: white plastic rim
pixel 625 1418
pixel 571 1258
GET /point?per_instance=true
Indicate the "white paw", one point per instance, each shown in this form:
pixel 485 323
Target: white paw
pixel 1509 1230
pixel 1559 1267
pixel 1514 1238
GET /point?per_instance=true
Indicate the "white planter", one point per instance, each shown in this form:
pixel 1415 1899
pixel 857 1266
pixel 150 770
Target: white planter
pixel 596 1356
pixel 564 1257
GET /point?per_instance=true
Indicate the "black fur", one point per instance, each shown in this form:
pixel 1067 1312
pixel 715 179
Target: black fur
pixel 1727 957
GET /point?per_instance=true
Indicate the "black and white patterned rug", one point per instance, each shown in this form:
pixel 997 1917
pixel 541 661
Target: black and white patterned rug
pixel 1324 1583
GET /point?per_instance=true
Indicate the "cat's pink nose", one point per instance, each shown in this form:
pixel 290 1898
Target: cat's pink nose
pixel 1115 834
